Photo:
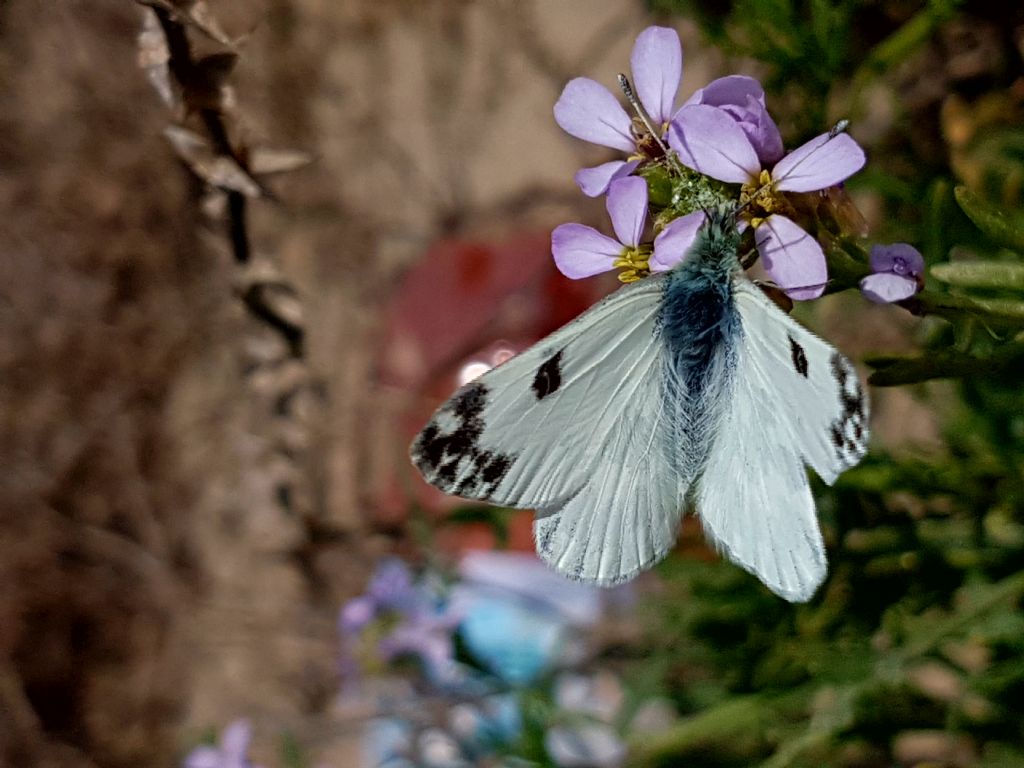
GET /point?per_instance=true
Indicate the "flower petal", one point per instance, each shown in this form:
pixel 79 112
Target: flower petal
pixel 657 64
pixel 582 251
pixel 673 242
pixel 708 140
pixel 204 757
pixel 589 111
pixel 356 614
pixel 593 182
pixel 733 89
pixel 885 287
pixel 792 258
pixel 234 741
pixel 760 129
pixel 819 163
pixel 627 206
pixel 899 258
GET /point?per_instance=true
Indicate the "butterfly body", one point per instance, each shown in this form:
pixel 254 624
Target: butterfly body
pixel 687 388
pixel 699 329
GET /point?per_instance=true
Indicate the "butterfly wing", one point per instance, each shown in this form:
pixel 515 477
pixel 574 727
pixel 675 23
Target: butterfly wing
pixel 626 517
pixel 795 401
pixel 570 428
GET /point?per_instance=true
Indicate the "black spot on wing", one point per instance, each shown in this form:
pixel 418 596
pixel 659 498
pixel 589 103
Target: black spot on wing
pixel 849 430
pixel 799 357
pixel 453 460
pixel 549 376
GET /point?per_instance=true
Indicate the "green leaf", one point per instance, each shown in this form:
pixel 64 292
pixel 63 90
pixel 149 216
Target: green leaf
pixel 946 364
pixel 953 307
pixel 993 221
pixel 734 726
pixel 1002 309
pixel 981 274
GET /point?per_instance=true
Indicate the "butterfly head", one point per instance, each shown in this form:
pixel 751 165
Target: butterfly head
pixel 716 250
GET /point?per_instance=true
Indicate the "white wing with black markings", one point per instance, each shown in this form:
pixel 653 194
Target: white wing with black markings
pixel 570 427
pixel 795 401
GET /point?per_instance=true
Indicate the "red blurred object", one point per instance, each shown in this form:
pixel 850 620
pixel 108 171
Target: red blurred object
pixel 465 295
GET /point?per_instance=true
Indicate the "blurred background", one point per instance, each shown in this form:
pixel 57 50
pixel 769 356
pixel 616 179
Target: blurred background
pixel 247 248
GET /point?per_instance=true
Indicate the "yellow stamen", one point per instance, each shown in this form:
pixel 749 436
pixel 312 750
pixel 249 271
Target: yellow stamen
pixel 766 200
pixel 635 263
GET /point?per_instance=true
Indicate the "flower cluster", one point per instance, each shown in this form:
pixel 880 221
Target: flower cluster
pixel 506 629
pixel 720 146
pixel 400 619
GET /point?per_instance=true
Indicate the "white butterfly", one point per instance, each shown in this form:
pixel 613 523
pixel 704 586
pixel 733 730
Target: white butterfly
pixel 689 385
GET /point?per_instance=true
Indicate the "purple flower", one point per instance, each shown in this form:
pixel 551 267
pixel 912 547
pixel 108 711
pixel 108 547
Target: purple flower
pixel 711 141
pixel 356 614
pixel 425 636
pixel 230 751
pixel 672 243
pixel 582 251
pixel 392 585
pixel 589 111
pixel 896 273
pixel 742 99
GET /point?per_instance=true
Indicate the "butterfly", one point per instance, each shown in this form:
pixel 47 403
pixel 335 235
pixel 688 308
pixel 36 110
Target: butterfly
pixel 688 387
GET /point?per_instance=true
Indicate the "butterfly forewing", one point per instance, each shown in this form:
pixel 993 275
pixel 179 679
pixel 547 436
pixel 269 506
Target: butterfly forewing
pixel 530 432
pixel 822 407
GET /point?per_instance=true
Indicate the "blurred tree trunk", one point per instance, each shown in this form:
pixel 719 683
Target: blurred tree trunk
pixel 150 570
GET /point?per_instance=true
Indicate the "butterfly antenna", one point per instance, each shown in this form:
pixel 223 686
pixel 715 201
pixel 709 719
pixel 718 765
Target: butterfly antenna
pixel 634 102
pixel 838 128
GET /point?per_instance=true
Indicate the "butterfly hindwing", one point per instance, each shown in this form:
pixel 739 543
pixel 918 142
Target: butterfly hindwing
pixel 794 401
pixel 626 516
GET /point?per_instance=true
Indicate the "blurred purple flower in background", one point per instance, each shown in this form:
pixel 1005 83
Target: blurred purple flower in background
pixel 589 111
pixel 230 751
pixel 357 613
pixel 420 623
pixel 392 585
pixel 425 636
pixel 897 273
pixel 709 140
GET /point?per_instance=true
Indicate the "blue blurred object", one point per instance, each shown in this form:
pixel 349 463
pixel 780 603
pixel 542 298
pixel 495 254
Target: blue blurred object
pixel 518 621
pixel 512 641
